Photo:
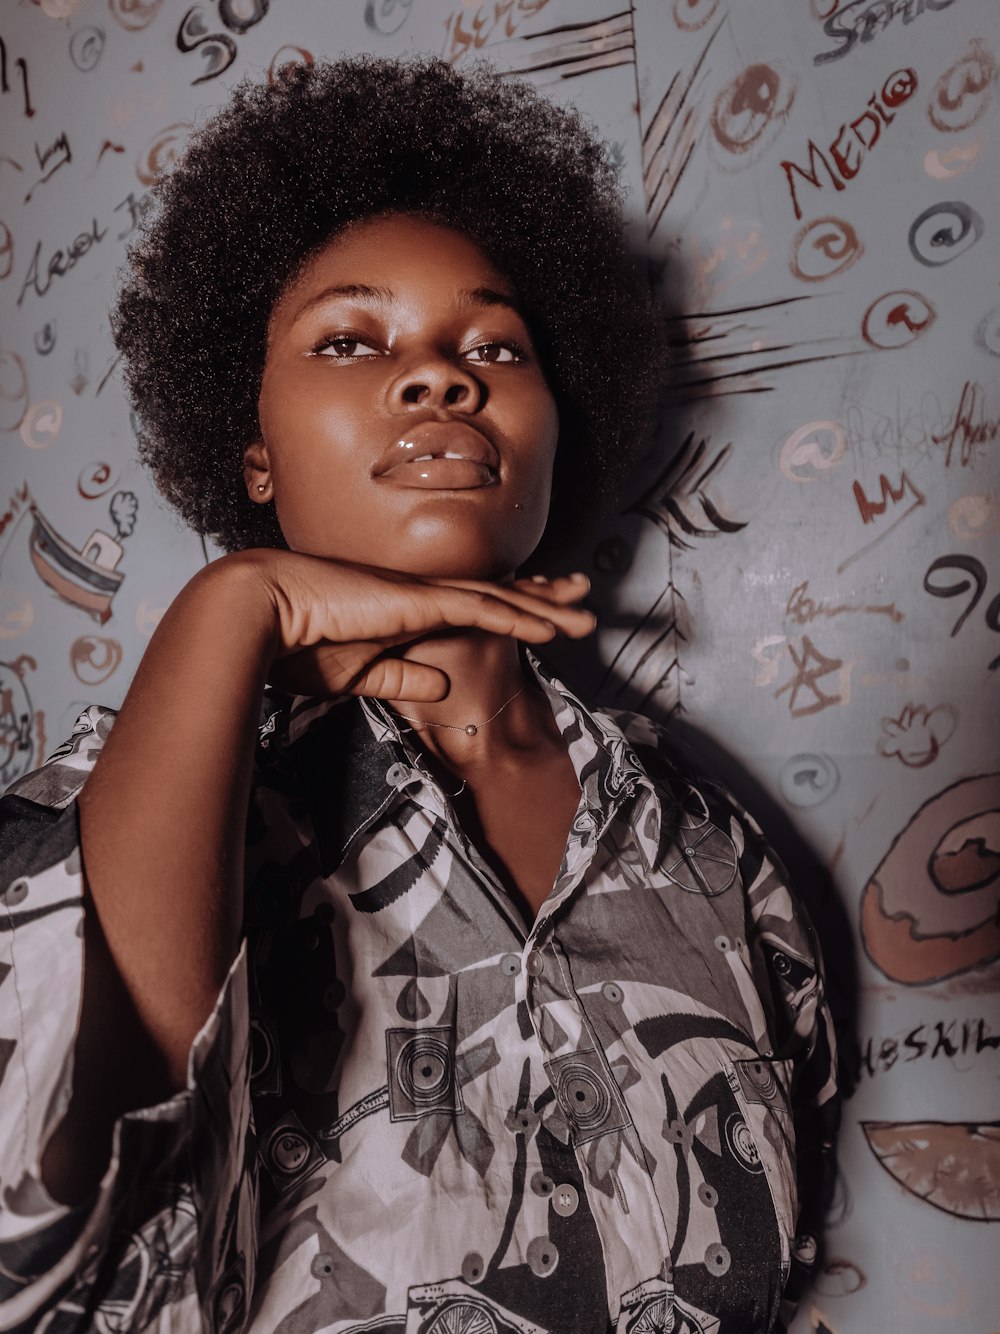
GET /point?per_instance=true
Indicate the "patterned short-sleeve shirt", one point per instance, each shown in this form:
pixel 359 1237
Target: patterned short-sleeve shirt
pixel 412 1110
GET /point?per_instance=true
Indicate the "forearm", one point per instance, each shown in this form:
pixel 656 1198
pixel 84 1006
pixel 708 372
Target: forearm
pixel 162 823
pixel 162 818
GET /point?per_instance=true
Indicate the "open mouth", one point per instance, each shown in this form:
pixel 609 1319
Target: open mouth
pixel 444 456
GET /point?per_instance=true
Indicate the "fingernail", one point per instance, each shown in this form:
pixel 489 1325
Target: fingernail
pixel 539 579
pixel 579 576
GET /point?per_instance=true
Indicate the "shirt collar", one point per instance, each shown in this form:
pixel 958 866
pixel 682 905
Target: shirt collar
pixel 352 763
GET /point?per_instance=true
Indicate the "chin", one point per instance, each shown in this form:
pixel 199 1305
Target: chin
pixel 449 548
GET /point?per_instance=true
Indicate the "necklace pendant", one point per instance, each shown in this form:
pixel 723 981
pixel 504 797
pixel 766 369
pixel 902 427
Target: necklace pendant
pixel 471 730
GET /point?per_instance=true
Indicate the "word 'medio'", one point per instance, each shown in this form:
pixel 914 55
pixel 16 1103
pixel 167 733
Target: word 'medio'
pixel 842 160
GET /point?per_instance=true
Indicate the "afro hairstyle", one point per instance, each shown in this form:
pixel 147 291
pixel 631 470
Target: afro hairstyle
pixel 282 168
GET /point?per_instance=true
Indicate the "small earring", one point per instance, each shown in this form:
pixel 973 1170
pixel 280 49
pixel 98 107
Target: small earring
pixel 261 487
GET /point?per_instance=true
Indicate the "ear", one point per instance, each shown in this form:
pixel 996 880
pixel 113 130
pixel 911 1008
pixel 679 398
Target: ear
pixel 257 473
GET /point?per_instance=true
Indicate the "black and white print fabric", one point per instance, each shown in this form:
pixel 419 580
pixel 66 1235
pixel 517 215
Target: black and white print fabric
pixel 412 1111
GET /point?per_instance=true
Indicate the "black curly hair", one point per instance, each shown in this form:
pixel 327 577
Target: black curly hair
pixel 282 168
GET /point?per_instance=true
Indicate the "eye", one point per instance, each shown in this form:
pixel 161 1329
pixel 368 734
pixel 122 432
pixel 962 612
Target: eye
pixel 494 352
pixel 345 347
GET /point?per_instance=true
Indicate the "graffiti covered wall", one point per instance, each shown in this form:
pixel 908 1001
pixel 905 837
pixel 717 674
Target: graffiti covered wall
pixel 806 572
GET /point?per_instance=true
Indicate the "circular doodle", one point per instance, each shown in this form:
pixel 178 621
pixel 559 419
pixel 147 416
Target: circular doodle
pixel 988 333
pixel 42 423
pixel 840 1278
pixel 612 555
pixel 896 320
pixel 134 15
pixel 161 152
pixel 95 480
pixel 899 87
pixel 929 911
pixel 823 248
pixel 753 105
pixel 240 16
pixel 964 90
pixel 813 449
pixel 13 390
pixel 285 59
pixel 386 16
pixel 808 779
pixel 970 517
pixel 943 232
pixel 86 47
pixel 690 15
pixel 741 1143
pixel 94 659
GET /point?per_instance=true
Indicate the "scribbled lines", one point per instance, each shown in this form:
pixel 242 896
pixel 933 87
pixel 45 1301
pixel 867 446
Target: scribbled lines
pixel 569 50
pixel 671 136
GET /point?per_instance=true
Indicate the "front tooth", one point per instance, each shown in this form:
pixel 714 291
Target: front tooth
pixel 450 455
pixel 423 458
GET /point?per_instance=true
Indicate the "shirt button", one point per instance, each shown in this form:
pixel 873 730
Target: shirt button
pixel 717 1259
pixel 613 993
pixel 398 774
pixel 722 944
pixel 510 965
pixel 534 963
pixel 542 1257
pixel 565 1200
pixel 473 1267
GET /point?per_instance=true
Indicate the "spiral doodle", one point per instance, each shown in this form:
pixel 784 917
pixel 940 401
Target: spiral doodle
pixel 824 248
pixel 964 90
pixel 86 47
pixel 94 659
pixel 285 59
pixel 813 449
pixel 161 152
pixel 897 319
pixel 690 15
pixel 757 101
pixel 943 232
pixel 42 423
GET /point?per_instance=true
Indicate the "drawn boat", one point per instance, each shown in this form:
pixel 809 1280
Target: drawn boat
pixel 86 577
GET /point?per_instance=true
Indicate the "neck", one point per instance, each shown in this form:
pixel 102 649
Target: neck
pixel 486 675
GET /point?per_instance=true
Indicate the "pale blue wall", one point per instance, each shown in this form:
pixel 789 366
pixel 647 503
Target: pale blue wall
pixel 832 438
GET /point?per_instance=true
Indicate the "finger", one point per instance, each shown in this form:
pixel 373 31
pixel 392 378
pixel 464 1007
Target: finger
pixel 526 600
pixel 399 679
pixel 567 588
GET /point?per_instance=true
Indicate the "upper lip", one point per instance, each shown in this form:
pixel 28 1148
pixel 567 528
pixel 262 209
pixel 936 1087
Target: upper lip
pixel 434 437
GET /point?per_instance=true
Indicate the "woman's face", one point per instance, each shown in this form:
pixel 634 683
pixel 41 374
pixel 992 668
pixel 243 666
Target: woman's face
pixel 405 419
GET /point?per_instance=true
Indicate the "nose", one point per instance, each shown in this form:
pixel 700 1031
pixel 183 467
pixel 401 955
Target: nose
pixel 435 382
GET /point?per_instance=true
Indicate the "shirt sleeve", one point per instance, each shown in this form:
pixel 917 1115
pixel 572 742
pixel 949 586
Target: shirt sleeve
pixel 168 1240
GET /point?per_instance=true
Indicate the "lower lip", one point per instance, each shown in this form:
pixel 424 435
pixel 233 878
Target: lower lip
pixel 440 475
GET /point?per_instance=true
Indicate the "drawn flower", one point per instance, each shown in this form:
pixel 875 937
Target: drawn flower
pixel 917 735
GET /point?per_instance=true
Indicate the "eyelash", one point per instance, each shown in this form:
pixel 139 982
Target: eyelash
pixel 518 353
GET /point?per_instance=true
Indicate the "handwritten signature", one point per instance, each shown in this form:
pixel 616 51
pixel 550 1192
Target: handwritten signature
pixel 803 609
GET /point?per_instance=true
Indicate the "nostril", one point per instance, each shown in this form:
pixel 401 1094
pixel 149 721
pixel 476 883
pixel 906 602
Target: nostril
pixel 414 393
pixel 456 393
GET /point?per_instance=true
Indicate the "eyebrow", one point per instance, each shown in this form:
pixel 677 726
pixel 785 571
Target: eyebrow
pixel 382 296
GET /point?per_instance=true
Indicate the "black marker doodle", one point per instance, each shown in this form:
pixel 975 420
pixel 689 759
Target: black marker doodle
pixel 45 338
pixel 218 50
pixel 21 65
pixel 678 501
pixel 943 232
pixel 44 156
pixel 39 278
pixel 975 583
pixel 6 251
pixel 386 16
pixel 860 20
pixel 86 47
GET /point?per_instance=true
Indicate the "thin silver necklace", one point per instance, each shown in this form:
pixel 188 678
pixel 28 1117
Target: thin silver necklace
pixel 470 729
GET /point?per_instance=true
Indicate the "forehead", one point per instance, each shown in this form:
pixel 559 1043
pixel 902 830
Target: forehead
pixel 400 257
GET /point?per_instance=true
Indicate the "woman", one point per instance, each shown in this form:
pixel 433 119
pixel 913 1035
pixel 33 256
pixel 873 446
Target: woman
pixel 425 999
